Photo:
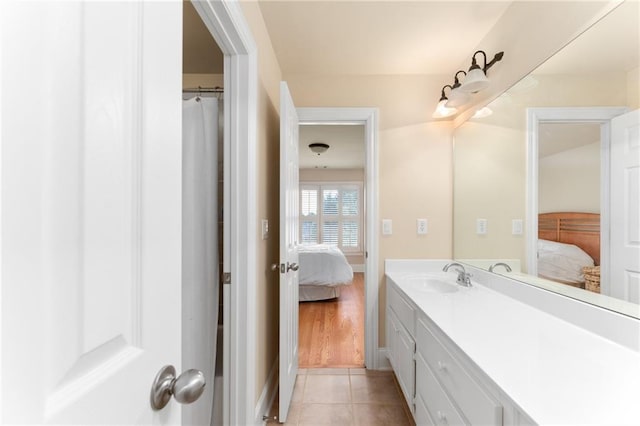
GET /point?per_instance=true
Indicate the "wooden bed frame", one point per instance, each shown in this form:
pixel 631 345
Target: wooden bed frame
pixel 580 229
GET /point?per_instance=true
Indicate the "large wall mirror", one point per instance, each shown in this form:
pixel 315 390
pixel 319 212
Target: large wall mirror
pixel 535 179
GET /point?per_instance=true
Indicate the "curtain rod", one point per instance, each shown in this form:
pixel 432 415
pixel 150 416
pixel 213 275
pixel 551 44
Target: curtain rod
pixel 204 90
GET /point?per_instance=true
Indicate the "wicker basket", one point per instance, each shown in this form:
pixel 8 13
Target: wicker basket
pixel 592 278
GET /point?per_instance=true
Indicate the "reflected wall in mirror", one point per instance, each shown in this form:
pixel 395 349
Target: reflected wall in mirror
pixel 491 184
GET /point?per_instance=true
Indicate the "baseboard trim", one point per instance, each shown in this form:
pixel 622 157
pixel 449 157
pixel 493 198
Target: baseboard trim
pixel 383 361
pixel 268 394
pixel 357 268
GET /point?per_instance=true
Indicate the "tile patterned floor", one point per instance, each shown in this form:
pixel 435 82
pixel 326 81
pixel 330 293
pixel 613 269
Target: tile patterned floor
pixel 346 397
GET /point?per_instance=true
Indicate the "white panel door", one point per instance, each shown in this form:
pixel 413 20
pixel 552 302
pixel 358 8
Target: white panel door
pixel 289 213
pixel 91 210
pixel 625 207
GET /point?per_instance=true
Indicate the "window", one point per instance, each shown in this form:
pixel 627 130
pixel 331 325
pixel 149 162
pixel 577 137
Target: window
pixel 331 214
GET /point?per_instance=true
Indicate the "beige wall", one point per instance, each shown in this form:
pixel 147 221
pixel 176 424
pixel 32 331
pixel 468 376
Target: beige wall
pixel 569 181
pixel 268 166
pixel 332 175
pixel 489 178
pixel 336 175
pixel 191 81
pixel 415 182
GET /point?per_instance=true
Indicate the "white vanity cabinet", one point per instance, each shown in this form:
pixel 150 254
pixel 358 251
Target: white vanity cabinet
pixel 441 385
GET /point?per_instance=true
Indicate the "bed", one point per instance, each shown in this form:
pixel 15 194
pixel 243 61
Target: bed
pixel 567 242
pixel 323 270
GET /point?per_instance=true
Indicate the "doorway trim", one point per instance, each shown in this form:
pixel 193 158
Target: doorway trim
pixel 536 116
pixel 369 118
pixel 226 22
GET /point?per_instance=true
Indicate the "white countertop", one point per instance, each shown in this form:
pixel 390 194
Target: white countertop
pixel 556 372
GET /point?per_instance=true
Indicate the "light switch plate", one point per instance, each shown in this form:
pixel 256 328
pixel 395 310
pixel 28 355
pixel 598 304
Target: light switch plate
pixel 516 227
pixel 481 226
pixel 422 226
pixel 265 229
pixel 387 227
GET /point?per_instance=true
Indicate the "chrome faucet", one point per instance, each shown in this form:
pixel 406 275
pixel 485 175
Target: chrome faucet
pixel 507 267
pixel 464 279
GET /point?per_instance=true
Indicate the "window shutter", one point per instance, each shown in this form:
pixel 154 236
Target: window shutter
pixel 350 202
pixel 330 232
pixel 330 202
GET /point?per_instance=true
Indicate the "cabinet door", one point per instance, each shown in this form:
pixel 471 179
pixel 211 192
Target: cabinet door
pixel 401 348
pixel 406 367
pixel 392 331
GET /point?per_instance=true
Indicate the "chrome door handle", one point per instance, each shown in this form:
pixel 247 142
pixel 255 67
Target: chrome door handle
pixel 292 267
pixel 186 388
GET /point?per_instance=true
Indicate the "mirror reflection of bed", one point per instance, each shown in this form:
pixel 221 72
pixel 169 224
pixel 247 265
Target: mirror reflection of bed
pixel 331 251
pixel 569 248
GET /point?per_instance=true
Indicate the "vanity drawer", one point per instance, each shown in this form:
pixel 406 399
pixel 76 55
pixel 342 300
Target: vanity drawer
pixel 476 405
pixel 429 393
pixel 422 416
pixel 403 309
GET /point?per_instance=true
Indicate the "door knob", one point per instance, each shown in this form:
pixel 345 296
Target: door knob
pixel 292 267
pixel 186 388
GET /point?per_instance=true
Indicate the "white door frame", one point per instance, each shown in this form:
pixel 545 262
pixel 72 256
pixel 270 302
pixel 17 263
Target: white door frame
pixel 226 22
pixel 369 118
pixel 535 116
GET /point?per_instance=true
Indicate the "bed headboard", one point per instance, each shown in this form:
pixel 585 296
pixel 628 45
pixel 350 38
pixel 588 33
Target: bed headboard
pixel 580 229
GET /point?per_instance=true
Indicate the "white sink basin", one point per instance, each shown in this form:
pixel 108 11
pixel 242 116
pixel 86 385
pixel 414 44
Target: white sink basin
pixel 430 284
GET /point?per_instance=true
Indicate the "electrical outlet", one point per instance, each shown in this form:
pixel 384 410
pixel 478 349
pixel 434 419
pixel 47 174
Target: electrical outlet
pixel 387 227
pixel 422 226
pixel 481 226
pixel 516 227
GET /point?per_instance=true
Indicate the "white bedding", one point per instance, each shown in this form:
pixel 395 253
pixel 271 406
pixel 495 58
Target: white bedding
pixel 562 262
pixel 323 265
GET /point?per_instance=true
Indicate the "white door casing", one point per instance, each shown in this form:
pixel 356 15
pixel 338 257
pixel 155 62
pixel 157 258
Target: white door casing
pixel 289 218
pixel 625 207
pixel 91 222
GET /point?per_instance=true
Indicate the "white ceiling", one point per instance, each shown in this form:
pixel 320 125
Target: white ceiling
pixel 611 45
pixel 560 137
pixel 346 146
pixel 377 37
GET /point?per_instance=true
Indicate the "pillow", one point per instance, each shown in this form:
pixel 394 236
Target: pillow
pixel 563 262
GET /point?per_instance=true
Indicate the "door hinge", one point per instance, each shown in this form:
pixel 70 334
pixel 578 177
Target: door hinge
pixel 226 278
pixel 366 254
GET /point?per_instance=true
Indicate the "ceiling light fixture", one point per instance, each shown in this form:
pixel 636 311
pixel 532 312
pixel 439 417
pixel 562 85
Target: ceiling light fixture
pixel 441 110
pixel 457 97
pixel 476 78
pixel 318 147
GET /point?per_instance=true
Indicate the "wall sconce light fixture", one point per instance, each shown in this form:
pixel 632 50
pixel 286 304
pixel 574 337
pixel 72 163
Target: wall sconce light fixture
pixel 441 110
pixel 457 97
pixel 318 147
pixel 476 78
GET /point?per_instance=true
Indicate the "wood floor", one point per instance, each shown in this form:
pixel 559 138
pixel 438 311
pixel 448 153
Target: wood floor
pixel 331 332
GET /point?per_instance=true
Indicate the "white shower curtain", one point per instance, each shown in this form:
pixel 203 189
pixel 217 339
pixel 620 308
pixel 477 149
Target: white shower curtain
pixel 200 281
